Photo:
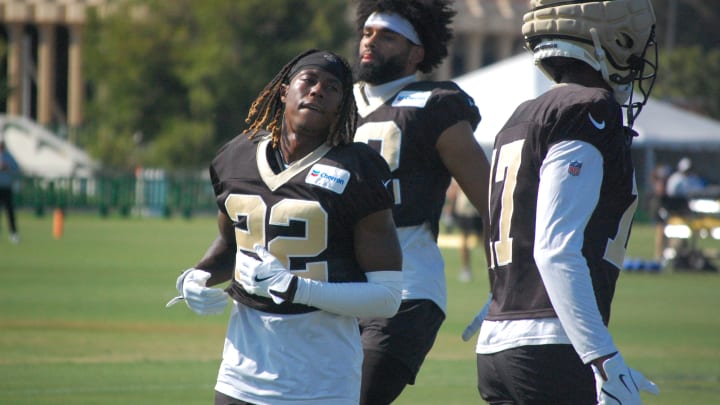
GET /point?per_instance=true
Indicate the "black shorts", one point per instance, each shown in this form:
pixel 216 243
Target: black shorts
pixel 222 399
pixel 469 225
pixel 408 336
pixel 535 375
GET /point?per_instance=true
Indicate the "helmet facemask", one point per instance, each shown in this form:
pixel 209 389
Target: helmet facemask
pixel 644 75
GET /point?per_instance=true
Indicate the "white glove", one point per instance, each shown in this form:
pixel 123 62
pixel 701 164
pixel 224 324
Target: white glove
pixel 191 285
pixel 623 384
pixel 266 277
pixel 475 324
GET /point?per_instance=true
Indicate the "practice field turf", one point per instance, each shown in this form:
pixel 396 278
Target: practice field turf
pixel 83 320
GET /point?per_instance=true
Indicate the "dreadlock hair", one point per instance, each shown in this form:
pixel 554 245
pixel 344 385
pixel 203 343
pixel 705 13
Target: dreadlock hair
pixel 266 112
pixel 430 18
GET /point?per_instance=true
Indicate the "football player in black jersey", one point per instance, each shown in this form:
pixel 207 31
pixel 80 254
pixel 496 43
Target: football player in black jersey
pixel 562 199
pixel 424 130
pixel 307 241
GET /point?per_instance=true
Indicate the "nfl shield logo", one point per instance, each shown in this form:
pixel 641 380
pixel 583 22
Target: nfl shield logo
pixel 574 168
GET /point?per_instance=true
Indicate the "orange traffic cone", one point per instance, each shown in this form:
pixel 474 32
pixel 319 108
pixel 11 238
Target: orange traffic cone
pixel 58 223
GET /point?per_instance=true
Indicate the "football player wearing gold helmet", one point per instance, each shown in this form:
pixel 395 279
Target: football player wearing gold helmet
pixel 562 199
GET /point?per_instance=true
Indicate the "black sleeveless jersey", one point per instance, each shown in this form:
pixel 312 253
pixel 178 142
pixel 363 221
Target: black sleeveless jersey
pixel 305 215
pixel 566 112
pixel 405 130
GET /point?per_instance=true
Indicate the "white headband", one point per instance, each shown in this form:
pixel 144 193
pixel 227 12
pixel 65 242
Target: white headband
pixel 394 22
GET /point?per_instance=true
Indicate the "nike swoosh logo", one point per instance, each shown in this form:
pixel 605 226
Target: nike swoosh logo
pixel 386 182
pixel 261 279
pixel 599 125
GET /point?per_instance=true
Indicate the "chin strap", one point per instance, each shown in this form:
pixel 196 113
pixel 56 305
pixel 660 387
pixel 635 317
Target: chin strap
pixel 600 55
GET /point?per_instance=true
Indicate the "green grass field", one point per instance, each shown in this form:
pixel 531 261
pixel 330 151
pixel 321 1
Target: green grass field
pixel 83 320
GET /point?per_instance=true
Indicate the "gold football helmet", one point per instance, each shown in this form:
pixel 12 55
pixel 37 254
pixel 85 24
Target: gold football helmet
pixel 612 36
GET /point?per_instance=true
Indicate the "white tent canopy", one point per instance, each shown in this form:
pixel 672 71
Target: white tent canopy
pixel 661 125
pixel 499 88
pixel 40 153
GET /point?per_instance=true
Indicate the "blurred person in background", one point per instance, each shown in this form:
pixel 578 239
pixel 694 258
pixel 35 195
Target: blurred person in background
pixel 658 211
pixel 684 182
pixel 463 215
pixel 9 172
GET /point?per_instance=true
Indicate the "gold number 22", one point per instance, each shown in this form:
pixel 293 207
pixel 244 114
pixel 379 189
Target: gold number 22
pixel 284 247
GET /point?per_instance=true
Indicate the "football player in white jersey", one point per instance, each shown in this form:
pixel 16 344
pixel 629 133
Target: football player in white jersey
pixel 562 199
pixel 424 130
pixel 307 241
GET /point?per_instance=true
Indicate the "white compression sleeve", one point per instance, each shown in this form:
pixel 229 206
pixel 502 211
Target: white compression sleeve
pixel 378 297
pixel 565 204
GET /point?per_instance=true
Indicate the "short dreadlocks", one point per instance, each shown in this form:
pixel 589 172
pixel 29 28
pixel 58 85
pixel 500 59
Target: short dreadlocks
pixel 266 111
pixel 430 18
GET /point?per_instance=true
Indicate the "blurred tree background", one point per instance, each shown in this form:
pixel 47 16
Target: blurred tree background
pixel 688 32
pixel 171 81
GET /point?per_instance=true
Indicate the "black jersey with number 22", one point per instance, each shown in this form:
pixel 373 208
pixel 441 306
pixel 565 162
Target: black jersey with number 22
pixel 304 214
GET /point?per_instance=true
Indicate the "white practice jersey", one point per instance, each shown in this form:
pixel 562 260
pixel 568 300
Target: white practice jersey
pixel 320 335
